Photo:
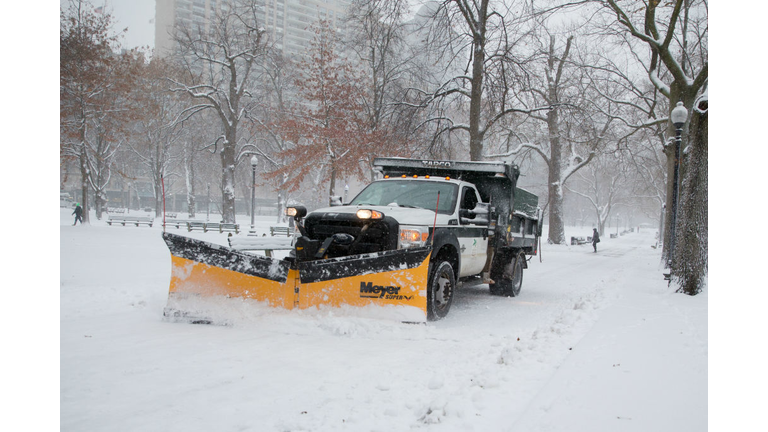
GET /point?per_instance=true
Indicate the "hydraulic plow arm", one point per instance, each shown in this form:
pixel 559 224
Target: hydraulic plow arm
pixel 203 273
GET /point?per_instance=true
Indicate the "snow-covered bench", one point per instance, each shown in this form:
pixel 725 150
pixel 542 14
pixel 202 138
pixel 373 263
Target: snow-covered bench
pixel 196 225
pixel 280 230
pixel 134 220
pixel 578 241
pixel 267 244
pixel 222 227
pixel 176 223
pixel 212 226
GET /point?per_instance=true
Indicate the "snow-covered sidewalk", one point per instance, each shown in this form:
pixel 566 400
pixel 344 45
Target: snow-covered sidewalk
pixel 642 367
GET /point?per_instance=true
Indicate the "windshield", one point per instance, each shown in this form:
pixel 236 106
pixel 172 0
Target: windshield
pixel 409 193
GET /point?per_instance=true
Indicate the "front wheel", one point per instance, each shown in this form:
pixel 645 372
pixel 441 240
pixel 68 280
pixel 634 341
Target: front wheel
pixel 510 281
pixel 440 288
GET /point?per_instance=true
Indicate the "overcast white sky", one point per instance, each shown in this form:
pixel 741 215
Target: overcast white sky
pixel 137 15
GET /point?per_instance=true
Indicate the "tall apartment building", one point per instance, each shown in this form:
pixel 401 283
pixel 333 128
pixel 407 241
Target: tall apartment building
pixel 286 21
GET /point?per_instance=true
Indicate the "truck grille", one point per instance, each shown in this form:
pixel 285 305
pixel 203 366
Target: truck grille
pixel 380 235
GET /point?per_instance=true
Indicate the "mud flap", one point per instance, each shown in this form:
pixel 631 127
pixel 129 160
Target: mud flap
pixel 205 275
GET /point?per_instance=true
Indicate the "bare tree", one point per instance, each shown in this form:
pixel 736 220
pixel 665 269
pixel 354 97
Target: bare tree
pixel 156 131
pixel 676 33
pixel 480 34
pixel 222 58
pixel 572 125
pixel 93 80
pixel 377 35
pixel 604 185
pixel 279 75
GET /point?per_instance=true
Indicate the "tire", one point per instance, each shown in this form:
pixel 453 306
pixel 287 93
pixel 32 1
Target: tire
pixel 510 281
pixel 440 290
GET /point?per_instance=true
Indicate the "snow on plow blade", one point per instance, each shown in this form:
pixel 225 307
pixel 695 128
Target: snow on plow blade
pixel 205 277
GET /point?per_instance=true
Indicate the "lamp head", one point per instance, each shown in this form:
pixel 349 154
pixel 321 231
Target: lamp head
pixel 679 115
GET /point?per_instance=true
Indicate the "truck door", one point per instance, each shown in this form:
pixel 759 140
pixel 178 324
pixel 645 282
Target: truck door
pixel 470 235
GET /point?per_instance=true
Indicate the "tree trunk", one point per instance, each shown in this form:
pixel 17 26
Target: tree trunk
pixel 100 202
pixel 475 103
pixel 556 225
pixel 84 174
pixel 332 187
pixel 228 177
pixel 159 198
pixel 601 224
pixel 690 261
pixel 190 185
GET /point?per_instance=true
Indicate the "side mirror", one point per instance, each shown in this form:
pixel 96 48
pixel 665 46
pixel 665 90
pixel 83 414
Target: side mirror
pixel 335 201
pixel 478 216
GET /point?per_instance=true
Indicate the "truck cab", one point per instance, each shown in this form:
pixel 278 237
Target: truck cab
pixel 413 208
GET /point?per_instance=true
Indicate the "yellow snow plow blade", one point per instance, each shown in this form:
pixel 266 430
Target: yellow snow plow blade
pixel 204 275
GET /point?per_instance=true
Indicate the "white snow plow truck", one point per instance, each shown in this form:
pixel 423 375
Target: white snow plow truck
pixel 403 244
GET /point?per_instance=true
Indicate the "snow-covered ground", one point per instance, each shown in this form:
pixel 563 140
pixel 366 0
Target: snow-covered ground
pixel 595 342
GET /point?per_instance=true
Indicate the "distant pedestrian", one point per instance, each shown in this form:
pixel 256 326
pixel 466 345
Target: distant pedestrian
pixel 78 214
pixel 595 238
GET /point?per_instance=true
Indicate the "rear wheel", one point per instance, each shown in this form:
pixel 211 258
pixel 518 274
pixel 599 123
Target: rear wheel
pixel 440 289
pixel 509 281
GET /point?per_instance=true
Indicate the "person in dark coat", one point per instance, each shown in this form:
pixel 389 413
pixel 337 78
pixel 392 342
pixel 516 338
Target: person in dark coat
pixel 595 238
pixel 78 214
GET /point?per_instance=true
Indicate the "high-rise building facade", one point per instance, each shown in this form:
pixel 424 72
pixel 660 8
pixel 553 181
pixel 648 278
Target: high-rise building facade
pixel 287 21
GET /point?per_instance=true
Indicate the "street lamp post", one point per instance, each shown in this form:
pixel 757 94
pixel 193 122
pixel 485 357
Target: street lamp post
pixel 660 239
pixel 678 117
pixel 208 205
pixel 254 162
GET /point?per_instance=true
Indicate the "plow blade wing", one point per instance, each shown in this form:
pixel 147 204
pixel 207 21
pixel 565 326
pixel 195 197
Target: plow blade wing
pixel 201 271
pixel 392 284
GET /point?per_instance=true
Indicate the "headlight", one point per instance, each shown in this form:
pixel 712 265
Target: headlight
pixel 297 212
pixel 412 236
pixel 369 214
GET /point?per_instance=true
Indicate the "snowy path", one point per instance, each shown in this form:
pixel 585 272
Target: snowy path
pixel 492 364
